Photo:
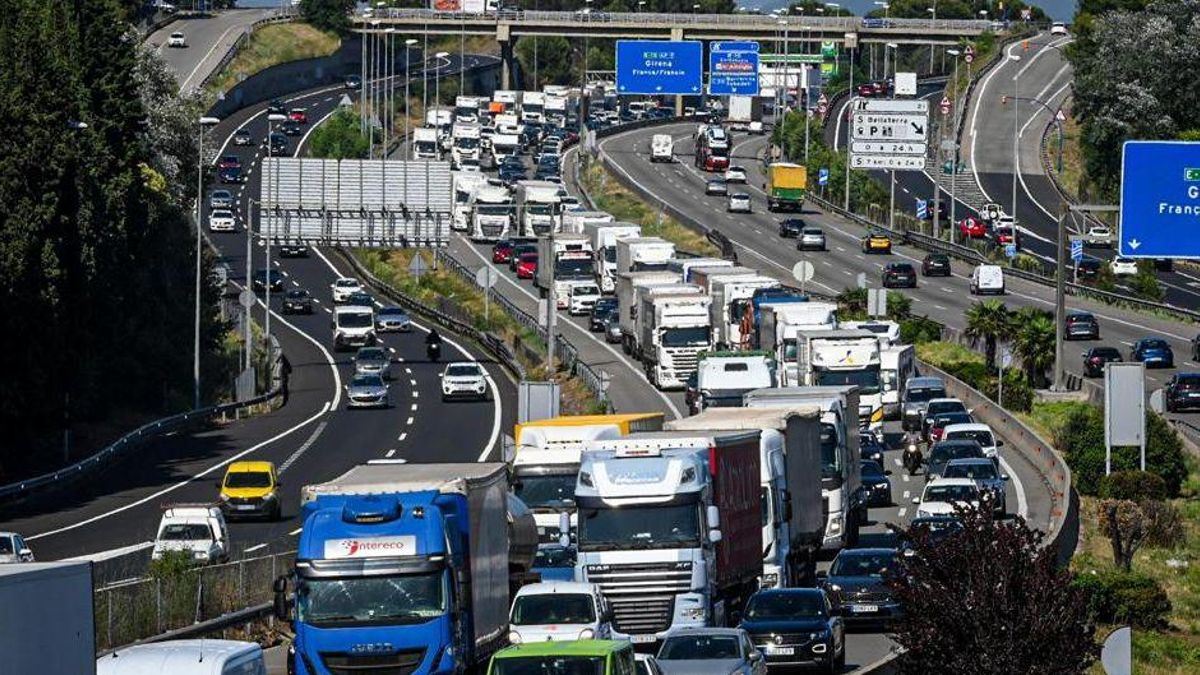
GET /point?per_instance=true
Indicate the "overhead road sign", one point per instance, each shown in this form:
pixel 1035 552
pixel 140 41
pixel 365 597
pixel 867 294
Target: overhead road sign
pixel 890 105
pixel 363 203
pixel 1160 200
pixel 733 69
pixel 893 162
pixel 659 67
pixel 890 127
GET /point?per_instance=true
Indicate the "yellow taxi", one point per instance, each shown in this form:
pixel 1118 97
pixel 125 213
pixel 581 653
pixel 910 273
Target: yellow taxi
pixel 876 242
pixel 251 490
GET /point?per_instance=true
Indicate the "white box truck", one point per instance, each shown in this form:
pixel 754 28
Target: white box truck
pixel 643 254
pixel 629 285
pixel 778 329
pixel 425 143
pixel 732 310
pixel 574 221
pixel 466 184
pixel 897 363
pixel 672 331
pixel 47 624
pixel 744 111
pixel 505 145
pixel 533 107
pixel 604 236
pixel 662 148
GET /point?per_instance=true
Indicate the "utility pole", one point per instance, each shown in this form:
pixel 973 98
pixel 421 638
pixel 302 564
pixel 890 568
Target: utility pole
pixel 846 195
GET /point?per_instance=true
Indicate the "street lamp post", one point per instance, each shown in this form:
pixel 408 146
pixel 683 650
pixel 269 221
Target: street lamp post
pixel 1016 141
pixel 437 77
pixel 954 156
pixel 933 11
pixel 407 54
pixel 202 123
pixel 891 183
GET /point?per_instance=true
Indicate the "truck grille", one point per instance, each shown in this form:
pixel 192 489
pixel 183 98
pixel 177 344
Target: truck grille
pixel 400 663
pixel 542 229
pixel 642 595
pixel 492 229
pixel 683 360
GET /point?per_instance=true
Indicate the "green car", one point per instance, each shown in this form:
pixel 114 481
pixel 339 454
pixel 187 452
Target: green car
pixel 575 657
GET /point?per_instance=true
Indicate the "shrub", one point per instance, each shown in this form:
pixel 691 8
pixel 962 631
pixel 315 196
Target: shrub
pixel 1165 524
pixel 919 329
pixel 1137 486
pixel 1081 440
pixel 1125 598
pixel 1018 395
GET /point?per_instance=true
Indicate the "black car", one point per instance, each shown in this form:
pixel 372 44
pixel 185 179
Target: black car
pixel 791 227
pixel 870 448
pixel 293 251
pixel 796 627
pixel 857 586
pixel 1082 326
pixel 232 174
pixel 353 82
pixel 545 171
pixel 875 483
pixel 604 308
pixel 899 275
pixel 1182 392
pixel 292 128
pixel 275 107
pixel 936 529
pixel 1088 269
pixel 1095 358
pixel 941 454
pixel 260 281
pixel 297 301
pixel 279 143
pixel 936 265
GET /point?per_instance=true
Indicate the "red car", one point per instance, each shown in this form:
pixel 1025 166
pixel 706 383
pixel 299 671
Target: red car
pixel 229 162
pixel 298 115
pixel 972 227
pixel 502 251
pixel 1006 234
pixel 866 89
pixel 527 266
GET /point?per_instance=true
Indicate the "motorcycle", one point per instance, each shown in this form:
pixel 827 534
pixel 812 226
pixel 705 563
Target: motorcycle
pixel 433 350
pixel 912 459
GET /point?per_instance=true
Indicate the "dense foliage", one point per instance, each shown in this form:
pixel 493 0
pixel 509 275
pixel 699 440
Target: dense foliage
pixel 330 15
pixel 339 137
pixel 1081 440
pixel 1124 598
pixel 990 599
pixel 96 253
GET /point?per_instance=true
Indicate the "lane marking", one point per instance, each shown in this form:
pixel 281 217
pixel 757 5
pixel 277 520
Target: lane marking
pixel 390 453
pixel 287 463
pixel 254 548
pixel 903 510
pixel 295 532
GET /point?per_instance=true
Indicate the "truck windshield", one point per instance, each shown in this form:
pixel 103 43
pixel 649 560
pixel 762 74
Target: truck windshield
pixel 535 610
pixel 185 532
pixel 675 526
pixel 409 598
pixel 921 395
pixel 466 143
pixel 547 491
pixel 574 267
pixel 493 209
pixel 549 665
pixel 540 209
pixel 685 337
pixel 830 462
pixel 867 380
pixel 610 255
pixel 648 266
pixel 426 146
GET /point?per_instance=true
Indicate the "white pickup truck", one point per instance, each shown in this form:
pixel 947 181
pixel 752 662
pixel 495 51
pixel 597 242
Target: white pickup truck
pixel 196 529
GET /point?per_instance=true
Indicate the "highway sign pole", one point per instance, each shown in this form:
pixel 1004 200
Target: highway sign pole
pixel 846 196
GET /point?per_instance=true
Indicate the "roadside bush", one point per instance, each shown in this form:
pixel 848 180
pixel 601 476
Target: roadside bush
pixel 1165 524
pixel 1081 440
pixel 1137 486
pixel 1018 395
pixel 1125 598
pixel 919 329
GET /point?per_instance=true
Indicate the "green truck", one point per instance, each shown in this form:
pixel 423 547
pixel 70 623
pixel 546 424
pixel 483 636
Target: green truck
pixel 574 657
pixel 786 186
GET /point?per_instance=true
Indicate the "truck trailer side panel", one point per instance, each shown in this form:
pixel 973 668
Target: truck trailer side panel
pixel 47 625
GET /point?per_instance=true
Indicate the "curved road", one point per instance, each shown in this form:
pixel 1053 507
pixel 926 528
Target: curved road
pixel 209 38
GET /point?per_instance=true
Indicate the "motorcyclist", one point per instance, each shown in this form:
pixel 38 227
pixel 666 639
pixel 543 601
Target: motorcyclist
pixel 433 338
pixel 433 345
pixel 912 452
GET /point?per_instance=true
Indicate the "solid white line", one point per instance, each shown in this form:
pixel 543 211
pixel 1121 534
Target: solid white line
pixel 254 548
pixel 1022 507
pixel 204 59
pixel 113 553
pixel 295 531
pixel 156 495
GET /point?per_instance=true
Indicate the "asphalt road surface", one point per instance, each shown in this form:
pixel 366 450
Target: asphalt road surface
pixel 208 37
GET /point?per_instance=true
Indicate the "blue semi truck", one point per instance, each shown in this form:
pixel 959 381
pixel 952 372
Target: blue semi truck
pixel 406 568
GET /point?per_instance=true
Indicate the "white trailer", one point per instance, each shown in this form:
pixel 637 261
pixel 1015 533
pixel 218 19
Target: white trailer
pixel 643 254
pixel 465 186
pixel 425 143
pixel 629 286
pixel 576 221
pixel 779 326
pixel 604 236
pixel 732 312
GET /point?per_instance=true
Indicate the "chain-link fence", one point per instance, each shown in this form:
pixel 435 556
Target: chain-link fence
pixel 131 611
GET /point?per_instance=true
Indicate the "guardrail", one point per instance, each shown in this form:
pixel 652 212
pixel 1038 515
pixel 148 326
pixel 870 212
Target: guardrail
pixel 54 480
pixel 279 16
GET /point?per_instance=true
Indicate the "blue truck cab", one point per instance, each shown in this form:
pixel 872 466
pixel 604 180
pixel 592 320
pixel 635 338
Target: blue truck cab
pixel 775 295
pixel 406 568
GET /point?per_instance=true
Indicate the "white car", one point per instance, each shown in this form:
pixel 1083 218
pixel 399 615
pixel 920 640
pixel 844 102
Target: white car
pixel 735 174
pixel 1124 267
pixel 980 433
pixel 221 220
pixel 464 379
pixel 1098 235
pixel 197 530
pixel 583 298
pixel 739 202
pixel 943 495
pixel 469 165
pixel 1058 28
pixel 344 287
pixel 559 610
pixel 13 549
pixel 176 39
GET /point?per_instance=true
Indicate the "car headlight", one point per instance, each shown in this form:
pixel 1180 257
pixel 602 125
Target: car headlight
pixel 587 634
pixel 200 555
pixel 835 588
pixel 514 637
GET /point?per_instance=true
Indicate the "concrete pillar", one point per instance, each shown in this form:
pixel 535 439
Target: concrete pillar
pixel 507 57
pixel 677 35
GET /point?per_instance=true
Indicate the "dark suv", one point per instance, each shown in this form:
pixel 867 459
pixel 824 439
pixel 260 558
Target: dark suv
pixel 899 275
pixel 1095 358
pixel 1082 326
pixel 1182 391
pixel 936 265
pixel 790 227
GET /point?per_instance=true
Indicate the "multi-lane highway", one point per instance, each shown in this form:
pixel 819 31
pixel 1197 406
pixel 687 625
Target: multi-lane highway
pixel 314 437
pixel 209 37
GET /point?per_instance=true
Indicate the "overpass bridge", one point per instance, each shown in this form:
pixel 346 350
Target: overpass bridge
pixel 508 26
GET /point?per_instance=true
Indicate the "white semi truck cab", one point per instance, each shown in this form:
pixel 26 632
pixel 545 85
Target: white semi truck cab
pixel 669 527
pixel 425 143
pixel 533 107
pixel 673 329
pixel 539 204
pixel 465 143
pixel 604 236
pixel 643 254
pixel 731 310
pixel 491 213
pixel 465 186
pixel 845 357
pixel 779 325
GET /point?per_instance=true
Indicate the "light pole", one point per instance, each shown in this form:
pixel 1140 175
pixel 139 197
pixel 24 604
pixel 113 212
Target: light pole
pixel 202 124
pixel 954 156
pixel 787 84
pixel 933 11
pixel 276 117
pixel 891 183
pixel 437 77
pixel 1016 141
pixel 640 5
pixel 389 89
pixel 886 9
pixel 407 53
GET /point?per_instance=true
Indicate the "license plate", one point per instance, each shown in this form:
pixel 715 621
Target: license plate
pixel 864 609
pixel 245 507
pixel 772 650
pixel 642 639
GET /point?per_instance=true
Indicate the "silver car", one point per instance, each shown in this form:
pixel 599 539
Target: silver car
pixel 709 651
pixel 392 319
pixel 811 238
pixel 373 361
pixel 13 549
pixel 367 391
pixel 987 479
pixel 220 199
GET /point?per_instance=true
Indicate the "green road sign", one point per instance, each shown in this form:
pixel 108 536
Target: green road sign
pixel 1191 175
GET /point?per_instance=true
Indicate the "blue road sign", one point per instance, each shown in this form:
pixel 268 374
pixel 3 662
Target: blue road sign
pixel 733 69
pixel 1076 250
pixel 922 209
pixel 822 176
pixel 659 67
pixel 1160 200
pixel 1010 250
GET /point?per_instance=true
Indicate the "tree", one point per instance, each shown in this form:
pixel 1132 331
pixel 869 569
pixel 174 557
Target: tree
pixel 1123 522
pixel 1145 284
pixel 1033 342
pixel 330 15
pixel 989 599
pixel 988 319
pixel 339 138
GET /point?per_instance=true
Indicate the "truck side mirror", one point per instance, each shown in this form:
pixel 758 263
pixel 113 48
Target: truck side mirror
pixel 714 516
pixel 280 604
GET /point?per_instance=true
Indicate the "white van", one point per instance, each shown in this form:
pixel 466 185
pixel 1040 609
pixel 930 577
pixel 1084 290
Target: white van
pixel 353 326
pixel 987 279
pixel 559 610
pixel 185 657
pixel 197 529
pixel 662 148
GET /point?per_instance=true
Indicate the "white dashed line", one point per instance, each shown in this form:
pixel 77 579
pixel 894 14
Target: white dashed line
pixel 901 512
pixel 390 453
pixel 404 435
pixel 295 532
pixel 414 407
pixel 255 548
pixel 416 394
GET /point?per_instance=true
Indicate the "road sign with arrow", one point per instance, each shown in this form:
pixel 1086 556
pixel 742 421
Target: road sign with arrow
pixel 889 134
pixel 889 127
pixel 1160 200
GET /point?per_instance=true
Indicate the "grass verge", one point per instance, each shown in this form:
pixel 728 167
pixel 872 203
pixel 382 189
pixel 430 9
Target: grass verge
pixel 610 195
pixel 447 291
pixel 271 45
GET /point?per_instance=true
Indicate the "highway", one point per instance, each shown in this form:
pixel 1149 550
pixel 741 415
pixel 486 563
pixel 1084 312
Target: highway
pixel 209 38
pixel 311 439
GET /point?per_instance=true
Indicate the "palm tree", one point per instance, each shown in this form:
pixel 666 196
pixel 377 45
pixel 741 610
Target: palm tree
pixel 1033 342
pixel 988 319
